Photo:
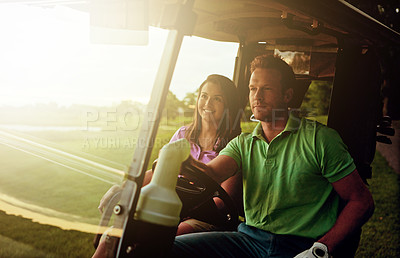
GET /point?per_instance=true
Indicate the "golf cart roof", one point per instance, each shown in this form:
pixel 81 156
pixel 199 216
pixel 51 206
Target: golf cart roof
pixel 316 22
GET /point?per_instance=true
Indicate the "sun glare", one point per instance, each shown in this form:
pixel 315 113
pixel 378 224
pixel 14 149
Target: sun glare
pixel 47 57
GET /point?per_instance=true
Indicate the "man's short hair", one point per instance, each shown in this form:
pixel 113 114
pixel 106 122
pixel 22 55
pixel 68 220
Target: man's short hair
pixel 288 79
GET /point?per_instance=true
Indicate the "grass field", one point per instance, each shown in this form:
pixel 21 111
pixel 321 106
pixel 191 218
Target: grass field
pixel 40 186
pixel 21 237
pixel 74 196
pixel 74 189
pixel 381 234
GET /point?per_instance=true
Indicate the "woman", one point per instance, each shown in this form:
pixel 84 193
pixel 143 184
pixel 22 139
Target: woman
pixel 216 121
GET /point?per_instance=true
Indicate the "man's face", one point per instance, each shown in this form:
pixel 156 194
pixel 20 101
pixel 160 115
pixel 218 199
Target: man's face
pixel 266 97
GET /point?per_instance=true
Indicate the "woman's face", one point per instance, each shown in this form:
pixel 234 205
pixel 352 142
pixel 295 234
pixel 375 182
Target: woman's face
pixel 211 103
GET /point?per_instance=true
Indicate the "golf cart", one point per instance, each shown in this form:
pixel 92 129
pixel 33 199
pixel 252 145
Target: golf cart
pixel 328 41
pixel 322 40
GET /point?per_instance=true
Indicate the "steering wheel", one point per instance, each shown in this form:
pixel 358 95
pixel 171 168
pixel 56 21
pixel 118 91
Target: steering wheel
pixel 197 192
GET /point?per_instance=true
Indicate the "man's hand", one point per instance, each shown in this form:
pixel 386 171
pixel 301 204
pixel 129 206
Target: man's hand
pixel 107 196
pixel 318 250
pixel 219 169
pixel 192 162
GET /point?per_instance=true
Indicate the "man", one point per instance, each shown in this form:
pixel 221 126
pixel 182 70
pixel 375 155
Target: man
pixel 294 171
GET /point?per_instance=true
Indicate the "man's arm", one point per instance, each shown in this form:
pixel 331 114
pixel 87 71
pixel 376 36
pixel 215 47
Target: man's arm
pixel 220 168
pixel 223 167
pixel 358 209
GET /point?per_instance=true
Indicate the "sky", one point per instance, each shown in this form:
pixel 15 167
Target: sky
pixel 46 56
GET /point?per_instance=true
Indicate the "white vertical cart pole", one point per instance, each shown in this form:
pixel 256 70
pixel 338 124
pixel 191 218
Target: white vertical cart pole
pixel 124 225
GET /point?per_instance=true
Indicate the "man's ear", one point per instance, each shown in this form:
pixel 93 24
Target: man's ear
pixel 288 95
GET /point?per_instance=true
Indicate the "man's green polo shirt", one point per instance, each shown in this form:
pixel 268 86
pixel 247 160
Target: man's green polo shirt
pixel 287 183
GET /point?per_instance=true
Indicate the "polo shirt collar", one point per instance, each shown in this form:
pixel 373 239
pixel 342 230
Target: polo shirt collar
pixel 292 125
pixel 257 132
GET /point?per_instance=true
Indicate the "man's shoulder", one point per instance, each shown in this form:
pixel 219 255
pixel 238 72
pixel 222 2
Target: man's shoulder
pixel 250 132
pixel 245 136
pixel 240 140
pixel 321 132
pixel 311 124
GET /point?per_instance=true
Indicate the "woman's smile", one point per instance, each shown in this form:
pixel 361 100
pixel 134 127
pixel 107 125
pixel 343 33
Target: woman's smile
pixel 211 104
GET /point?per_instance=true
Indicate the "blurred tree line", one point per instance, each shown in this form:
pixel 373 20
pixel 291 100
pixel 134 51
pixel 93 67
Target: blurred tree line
pixel 317 99
pixel 53 114
pixel 175 107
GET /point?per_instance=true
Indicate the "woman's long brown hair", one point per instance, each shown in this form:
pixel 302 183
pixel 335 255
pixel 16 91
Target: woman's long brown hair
pixel 229 126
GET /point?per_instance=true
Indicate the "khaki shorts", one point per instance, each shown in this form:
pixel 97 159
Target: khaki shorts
pixel 199 225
